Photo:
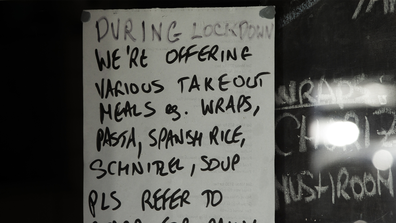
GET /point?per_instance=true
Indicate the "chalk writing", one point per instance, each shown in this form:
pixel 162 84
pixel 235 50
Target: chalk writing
pixel 341 186
pixel 341 92
pixel 324 173
pixel 336 72
pixel 306 141
pixel 389 6
pixel 289 17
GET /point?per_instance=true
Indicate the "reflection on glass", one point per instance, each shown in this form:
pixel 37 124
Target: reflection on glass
pixel 378 94
pixel 341 133
pixel 383 160
pixel 338 133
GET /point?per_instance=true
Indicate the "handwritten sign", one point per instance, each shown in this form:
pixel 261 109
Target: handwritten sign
pixel 178 115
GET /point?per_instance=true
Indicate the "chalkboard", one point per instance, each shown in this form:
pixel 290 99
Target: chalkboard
pixel 335 61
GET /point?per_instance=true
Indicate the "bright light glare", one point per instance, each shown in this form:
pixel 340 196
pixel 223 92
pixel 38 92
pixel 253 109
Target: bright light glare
pixel 382 160
pixel 379 94
pixel 341 133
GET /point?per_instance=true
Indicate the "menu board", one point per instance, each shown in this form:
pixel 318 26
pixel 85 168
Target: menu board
pixel 335 111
